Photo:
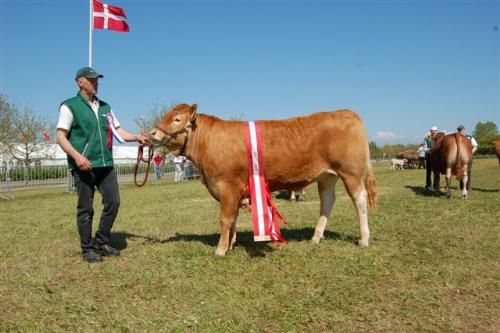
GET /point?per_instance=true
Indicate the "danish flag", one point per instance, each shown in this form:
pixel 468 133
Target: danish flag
pixel 109 17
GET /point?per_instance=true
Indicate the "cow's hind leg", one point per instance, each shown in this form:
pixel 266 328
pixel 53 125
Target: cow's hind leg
pixel 464 180
pixel 229 205
pixel 448 182
pixel 357 191
pixel 326 189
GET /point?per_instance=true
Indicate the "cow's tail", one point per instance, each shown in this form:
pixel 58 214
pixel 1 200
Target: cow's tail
pixel 458 169
pixel 370 185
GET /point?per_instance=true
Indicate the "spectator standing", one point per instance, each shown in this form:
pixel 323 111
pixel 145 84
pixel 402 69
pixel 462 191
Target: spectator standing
pixel 158 161
pixel 429 142
pixel 473 142
pixel 421 156
pixel 178 164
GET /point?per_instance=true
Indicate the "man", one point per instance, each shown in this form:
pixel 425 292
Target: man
pixel 421 156
pixel 429 142
pixel 473 142
pixel 178 164
pixel 158 160
pixel 85 131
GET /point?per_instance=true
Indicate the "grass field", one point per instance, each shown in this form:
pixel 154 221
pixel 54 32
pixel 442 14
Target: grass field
pixel 432 266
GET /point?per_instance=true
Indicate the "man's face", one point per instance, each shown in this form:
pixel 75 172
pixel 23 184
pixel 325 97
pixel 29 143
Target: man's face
pixel 433 133
pixel 88 85
pixel 462 131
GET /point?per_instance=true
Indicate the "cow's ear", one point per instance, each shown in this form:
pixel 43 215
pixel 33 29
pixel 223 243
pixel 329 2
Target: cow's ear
pixel 194 107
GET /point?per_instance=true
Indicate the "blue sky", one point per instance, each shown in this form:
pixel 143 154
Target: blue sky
pixel 404 66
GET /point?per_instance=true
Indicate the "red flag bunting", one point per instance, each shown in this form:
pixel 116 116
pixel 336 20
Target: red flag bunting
pixel 109 17
pixel 46 136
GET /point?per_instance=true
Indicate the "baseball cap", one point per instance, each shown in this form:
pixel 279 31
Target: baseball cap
pixel 434 128
pixel 460 127
pixel 88 72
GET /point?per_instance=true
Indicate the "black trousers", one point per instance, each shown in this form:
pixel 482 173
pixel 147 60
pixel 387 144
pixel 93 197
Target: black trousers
pixel 428 171
pixel 103 179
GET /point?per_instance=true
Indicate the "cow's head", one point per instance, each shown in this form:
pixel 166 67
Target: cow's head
pixel 173 129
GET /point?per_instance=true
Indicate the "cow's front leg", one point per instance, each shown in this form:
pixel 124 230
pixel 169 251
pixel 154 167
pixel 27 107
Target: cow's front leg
pixel 232 233
pixel 228 214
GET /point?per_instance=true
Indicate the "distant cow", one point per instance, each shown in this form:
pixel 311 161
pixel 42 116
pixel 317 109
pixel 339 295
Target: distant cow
pixel 397 163
pixel 411 156
pixel 322 148
pixel 451 154
pixel 496 144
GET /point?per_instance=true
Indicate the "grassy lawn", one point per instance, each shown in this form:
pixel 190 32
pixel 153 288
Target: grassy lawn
pixel 432 266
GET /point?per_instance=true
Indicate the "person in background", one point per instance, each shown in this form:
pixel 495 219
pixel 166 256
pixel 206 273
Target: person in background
pixel 178 164
pixel 429 142
pixel 85 131
pixel 421 156
pixel 158 161
pixel 473 142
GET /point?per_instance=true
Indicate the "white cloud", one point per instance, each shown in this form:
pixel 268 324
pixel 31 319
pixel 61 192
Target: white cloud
pixel 386 136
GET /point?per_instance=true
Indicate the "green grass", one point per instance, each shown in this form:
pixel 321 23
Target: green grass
pixel 432 265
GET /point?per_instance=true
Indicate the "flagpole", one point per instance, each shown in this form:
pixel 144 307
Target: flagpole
pixel 90 33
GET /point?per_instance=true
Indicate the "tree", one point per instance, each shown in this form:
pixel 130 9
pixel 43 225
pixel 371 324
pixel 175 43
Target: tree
pixel 484 133
pixel 7 116
pixel 375 152
pixel 155 115
pixel 30 140
pixel 150 121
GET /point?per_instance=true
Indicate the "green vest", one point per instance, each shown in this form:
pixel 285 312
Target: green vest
pixel 429 142
pixel 88 133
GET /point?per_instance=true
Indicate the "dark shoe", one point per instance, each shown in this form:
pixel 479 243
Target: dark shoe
pixel 107 250
pixel 427 188
pixel 91 256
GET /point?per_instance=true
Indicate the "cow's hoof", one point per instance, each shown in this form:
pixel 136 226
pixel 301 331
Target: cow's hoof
pixel 362 243
pixel 315 240
pixel 464 197
pixel 220 253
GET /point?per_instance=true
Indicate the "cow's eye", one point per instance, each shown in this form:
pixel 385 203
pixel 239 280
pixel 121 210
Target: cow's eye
pixel 177 119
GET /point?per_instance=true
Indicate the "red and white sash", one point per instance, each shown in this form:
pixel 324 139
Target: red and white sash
pixel 112 131
pixel 265 215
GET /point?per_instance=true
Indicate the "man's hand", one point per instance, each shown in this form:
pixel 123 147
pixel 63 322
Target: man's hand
pixel 83 163
pixel 143 137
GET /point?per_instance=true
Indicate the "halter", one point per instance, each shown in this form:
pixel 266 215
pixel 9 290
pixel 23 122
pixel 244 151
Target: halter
pixel 168 136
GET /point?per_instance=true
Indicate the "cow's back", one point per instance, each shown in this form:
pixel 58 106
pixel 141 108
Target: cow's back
pixel 295 151
pixel 301 149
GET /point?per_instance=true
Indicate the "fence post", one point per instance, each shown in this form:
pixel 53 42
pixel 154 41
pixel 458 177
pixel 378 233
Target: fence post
pixel 7 169
pixel 71 182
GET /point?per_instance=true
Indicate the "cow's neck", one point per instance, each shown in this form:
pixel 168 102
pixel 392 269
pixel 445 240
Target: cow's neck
pixel 196 142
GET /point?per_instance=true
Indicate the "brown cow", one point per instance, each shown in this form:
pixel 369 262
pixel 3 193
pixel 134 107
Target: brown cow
pixel 411 156
pixel 496 144
pixel 452 154
pixel 322 148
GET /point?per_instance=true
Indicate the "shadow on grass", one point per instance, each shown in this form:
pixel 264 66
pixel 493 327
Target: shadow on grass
pixel 244 239
pixel 419 190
